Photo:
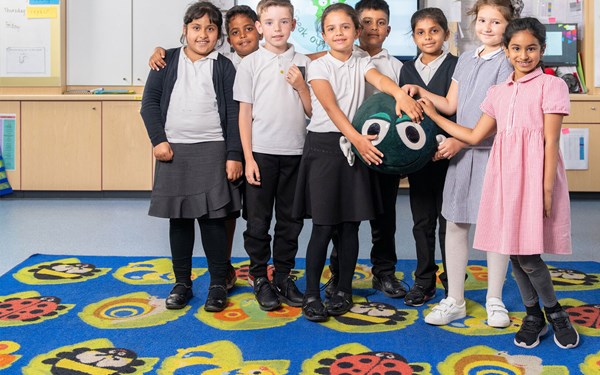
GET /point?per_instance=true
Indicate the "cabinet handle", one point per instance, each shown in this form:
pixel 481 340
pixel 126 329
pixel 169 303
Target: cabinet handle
pixel 124 79
pixel 93 108
pixel 593 108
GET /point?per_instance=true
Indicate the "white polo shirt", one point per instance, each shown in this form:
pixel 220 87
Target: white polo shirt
pixel 193 115
pixel 347 79
pixel 278 120
pixel 385 63
pixel 234 57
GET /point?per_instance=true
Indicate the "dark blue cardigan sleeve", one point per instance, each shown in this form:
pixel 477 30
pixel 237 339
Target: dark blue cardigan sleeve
pixel 231 129
pixel 151 107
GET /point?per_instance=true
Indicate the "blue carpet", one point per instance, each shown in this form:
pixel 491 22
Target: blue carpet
pixel 105 315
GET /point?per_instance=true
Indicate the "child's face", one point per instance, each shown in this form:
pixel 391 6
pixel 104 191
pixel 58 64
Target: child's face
pixel 242 35
pixel 524 52
pixel 201 36
pixel 489 26
pixel 339 33
pixel 276 24
pixel 375 28
pixel 429 37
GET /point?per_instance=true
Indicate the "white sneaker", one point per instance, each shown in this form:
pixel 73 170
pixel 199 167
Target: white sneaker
pixel 497 315
pixel 445 312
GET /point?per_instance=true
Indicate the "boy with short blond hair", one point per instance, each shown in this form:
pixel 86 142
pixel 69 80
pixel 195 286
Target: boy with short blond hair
pixel 274 100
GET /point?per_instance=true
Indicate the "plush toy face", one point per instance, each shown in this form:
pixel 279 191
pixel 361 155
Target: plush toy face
pixel 406 146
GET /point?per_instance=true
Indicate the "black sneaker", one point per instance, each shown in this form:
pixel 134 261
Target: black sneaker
pixel 231 277
pixel 179 297
pixel 565 336
pixel 389 285
pixel 530 332
pixel 418 295
pixel 217 298
pixel 314 310
pixel 288 292
pixel 265 295
pixel 339 303
pixel 331 285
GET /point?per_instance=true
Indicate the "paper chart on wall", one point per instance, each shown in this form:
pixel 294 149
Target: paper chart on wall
pixel 8 139
pixel 574 145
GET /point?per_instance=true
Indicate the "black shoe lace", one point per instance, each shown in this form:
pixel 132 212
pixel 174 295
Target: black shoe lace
pixel 530 325
pixel 331 280
pixel 561 323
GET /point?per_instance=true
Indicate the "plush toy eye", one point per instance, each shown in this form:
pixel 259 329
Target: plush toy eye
pixel 412 135
pixel 376 126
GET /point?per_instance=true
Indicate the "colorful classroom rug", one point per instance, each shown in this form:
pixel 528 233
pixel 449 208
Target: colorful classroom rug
pixel 106 315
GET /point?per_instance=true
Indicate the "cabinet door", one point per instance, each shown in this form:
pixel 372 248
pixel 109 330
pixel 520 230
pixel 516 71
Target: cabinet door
pixel 99 42
pixel 155 23
pixel 14 176
pixel 126 149
pixel 61 145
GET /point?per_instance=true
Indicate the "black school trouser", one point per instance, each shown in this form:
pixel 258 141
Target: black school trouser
pixel 278 175
pixel 214 242
pixel 383 231
pixel 426 192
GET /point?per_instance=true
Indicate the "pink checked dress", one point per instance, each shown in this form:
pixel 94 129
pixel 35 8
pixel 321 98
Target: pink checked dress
pixel 511 214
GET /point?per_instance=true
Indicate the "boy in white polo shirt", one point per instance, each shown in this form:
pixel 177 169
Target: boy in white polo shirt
pixel 274 100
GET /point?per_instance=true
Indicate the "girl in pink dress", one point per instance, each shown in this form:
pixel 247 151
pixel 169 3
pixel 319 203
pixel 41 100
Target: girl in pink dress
pixel 524 208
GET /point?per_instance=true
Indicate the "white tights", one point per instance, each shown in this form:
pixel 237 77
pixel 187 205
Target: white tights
pixel 457 254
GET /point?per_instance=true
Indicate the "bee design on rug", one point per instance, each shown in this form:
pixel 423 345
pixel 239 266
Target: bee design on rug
pixel 29 309
pixel 71 271
pixel 573 278
pixel 94 361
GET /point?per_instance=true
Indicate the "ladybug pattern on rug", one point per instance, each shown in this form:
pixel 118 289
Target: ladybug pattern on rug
pixel 475 323
pixel 565 279
pixel 29 308
pixel 98 356
pixel 357 359
pixel 369 316
pixel 7 354
pixel 219 357
pixel 151 272
pixel 485 360
pixel 134 310
pixel 591 364
pixel 61 271
pixel 477 277
pixel 243 277
pixel 363 277
pixel 584 315
pixel 243 313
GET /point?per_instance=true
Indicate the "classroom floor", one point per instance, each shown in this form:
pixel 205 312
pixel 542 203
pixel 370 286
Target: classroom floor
pixel 122 227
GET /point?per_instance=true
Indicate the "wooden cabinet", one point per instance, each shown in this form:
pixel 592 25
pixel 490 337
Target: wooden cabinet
pixel 61 145
pixel 14 176
pixel 126 149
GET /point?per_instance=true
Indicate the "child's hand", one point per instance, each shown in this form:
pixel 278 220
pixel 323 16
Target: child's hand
pixel 157 61
pixel 428 107
pixel 252 173
pixel 449 148
pixel 295 78
pixel 233 168
pixel 163 152
pixel 409 106
pixel 547 203
pixel 411 90
pixel 368 152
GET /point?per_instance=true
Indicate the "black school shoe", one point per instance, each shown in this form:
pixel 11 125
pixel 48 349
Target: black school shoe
pixel 288 292
pixel 265 294
pixel 389 285
pixel 314 310
pixel 231 277
pixel 217 298
pixel 565 336
pixel 179 297
pixel 418 295
pixel 339 303
pixel 531 330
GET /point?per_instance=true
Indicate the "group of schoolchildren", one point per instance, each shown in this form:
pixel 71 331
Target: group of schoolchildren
pixel 221 125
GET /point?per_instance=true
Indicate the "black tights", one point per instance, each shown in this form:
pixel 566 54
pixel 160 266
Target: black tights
pixel 214 242
pixel 316 255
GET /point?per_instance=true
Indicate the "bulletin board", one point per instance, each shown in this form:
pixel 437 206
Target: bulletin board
pixel 30 43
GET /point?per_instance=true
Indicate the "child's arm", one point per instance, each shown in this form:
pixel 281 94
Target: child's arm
pixel 404 103
pixel 233 164
pixel 552 125
pixel 152 115
pixel 447 105
pixel 252 172
pixel 485 127
pixel 315 55
pixel 295 78
pixel 157 60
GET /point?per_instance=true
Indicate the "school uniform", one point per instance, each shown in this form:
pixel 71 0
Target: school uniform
pixel 427 184
pixel 278 133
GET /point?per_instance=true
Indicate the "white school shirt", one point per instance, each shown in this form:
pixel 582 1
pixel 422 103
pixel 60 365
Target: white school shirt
pixel 193 115
pixel 278 120
pixel 385 63
pixel 347 79
pixel 426 71
pixel 234 57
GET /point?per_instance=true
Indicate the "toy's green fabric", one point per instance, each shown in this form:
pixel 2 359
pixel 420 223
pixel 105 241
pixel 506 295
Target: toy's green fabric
pixel 406 146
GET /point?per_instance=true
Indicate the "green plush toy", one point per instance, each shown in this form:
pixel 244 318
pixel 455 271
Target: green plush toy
pixel 406 146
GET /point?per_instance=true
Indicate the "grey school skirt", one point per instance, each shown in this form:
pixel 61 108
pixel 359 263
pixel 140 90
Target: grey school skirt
pixel 194 184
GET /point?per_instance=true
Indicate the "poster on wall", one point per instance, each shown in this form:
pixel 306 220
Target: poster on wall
pixel 8 139
pixel 574 148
